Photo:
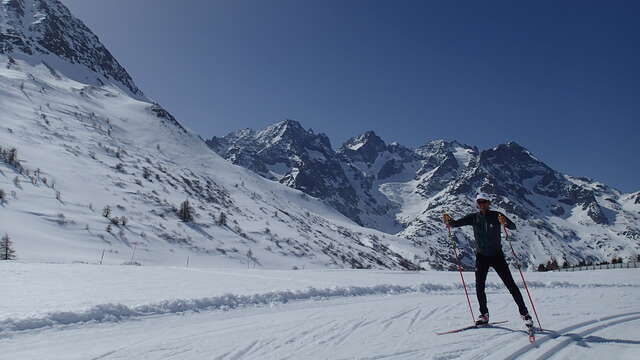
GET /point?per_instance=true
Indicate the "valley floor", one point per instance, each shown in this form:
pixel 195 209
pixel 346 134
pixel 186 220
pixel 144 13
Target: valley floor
pixel 118 312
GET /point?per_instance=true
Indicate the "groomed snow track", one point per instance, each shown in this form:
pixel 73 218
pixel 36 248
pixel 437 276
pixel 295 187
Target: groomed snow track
pixel 603 323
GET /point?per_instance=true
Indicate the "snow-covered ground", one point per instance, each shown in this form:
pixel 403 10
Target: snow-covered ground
pixel 79 311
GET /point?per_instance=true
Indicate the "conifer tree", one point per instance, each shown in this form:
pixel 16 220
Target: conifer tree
pixel 6 248
pixel 185 213
pixel 222 219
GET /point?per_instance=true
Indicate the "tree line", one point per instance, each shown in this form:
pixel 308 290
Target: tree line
pixel 553 264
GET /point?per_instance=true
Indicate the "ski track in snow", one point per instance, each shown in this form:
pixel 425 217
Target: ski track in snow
pixel 572 338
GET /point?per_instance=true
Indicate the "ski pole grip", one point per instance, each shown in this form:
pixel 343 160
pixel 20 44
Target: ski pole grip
pixel 506 232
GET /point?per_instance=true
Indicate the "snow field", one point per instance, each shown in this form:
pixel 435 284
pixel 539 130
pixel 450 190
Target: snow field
pixel 122 312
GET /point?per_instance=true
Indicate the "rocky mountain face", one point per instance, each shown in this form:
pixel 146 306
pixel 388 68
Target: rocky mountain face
pixel 405 191
pixel 287 153
pixel 365 178
pixel 45 31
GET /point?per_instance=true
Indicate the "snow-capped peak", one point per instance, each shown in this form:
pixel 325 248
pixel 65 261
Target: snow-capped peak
pixel 366 139
pixel 442 146
pixel 45 32
pixel 515 156
pixel 365 147
pixel 286 130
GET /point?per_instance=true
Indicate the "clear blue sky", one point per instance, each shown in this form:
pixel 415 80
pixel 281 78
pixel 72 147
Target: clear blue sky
pixel 562 78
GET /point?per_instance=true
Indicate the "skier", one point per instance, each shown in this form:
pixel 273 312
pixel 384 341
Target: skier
pixel 486 231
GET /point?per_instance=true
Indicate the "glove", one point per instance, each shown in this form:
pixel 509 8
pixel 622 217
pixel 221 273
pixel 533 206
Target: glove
pixel 502 219
pixel 446 218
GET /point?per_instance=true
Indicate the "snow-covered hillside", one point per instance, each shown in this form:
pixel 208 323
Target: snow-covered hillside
pixel 86 139
pixel 405 191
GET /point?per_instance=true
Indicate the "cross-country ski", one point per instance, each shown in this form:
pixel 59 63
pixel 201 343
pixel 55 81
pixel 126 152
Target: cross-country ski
pixel 471 327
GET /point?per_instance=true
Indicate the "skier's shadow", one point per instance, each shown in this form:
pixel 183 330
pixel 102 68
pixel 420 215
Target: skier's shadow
pixel 579 340
pixel 585 340
pixel 507 329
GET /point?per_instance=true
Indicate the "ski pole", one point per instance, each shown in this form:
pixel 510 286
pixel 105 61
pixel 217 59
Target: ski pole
pixel 464 285
pixel 506 234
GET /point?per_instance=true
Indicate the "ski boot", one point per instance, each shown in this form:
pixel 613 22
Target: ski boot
pixel 528 322
pixel 483 320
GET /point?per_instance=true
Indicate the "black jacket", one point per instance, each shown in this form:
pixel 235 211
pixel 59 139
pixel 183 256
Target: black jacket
pixel 486 230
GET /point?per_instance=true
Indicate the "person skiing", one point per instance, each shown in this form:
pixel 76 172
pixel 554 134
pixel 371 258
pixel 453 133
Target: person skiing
pixel 486 231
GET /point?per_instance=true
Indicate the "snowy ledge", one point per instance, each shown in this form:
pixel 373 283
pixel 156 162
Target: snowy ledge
pixel 112 312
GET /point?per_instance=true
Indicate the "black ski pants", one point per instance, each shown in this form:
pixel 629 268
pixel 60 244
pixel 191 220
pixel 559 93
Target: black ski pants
pixel 499 264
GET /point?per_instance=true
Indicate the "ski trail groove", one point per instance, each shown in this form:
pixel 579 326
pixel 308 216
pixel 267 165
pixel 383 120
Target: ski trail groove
pixel 389 321
pixel 413 320
pixel 243 351
pixel 556 334
pixel 105 355
pixel 554 350
pixel 345 335
pixel 437 309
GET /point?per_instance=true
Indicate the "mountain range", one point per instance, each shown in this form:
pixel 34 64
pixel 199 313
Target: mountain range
pixel 93 170
pixel 405 191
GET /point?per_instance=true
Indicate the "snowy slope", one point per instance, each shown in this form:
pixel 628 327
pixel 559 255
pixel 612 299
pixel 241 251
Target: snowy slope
pixel 88 142
pixel 116 312
pixel 101 147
